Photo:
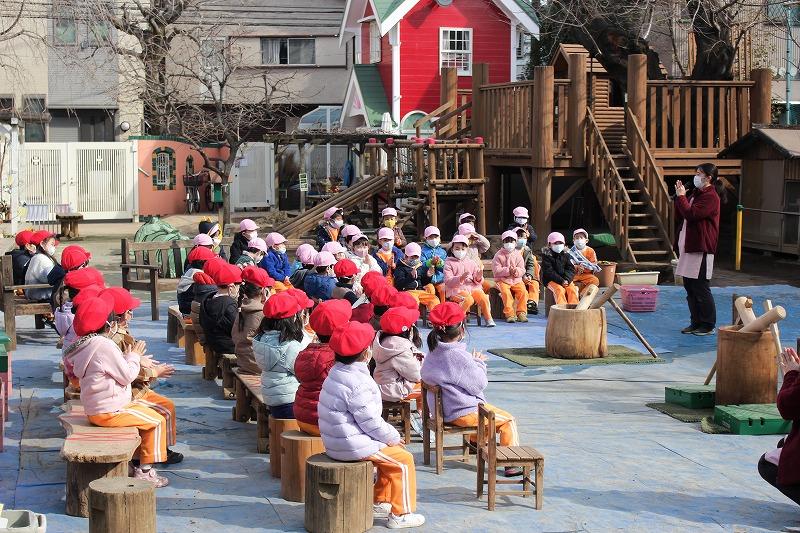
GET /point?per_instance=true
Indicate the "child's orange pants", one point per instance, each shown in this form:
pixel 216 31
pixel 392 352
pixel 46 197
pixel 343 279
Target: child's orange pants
pixel 466 300
pixel 166 408
pixel 512 294
pixel 532 286
pixel 308 429
pixel 152 429
pixel 564 295
pixel 440 292
pixel 585 279
pixel 281 286
pixel 397 479
pixel 425 296
pixel 505 425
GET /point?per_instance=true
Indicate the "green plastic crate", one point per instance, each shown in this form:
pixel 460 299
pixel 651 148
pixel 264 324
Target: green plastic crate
pixel 752 419
pixel 5 340
pixel 690 395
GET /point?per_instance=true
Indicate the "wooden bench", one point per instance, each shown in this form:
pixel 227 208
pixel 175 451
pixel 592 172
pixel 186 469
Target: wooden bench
pixel 14 305
pixel 176 324
pixel 92 452
pixel 146 267
pixel 435 418
pixel 70 223
pixel 227 365
pixel 250 401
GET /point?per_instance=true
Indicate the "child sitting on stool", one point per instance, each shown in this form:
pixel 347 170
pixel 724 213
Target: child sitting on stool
pixel 531 276
pixel 585 261
pixel 558 271
pixel 413 277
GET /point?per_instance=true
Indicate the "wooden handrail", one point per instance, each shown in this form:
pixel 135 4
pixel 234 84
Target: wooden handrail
pixel 646 170
pixel 419 122
pixel 703 83
pixel 460 109
pixel 607 183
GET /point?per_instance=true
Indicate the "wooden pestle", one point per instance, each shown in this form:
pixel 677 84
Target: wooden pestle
pixel 603 298
pixel 763 322
pixel 588 298
pixel 744 306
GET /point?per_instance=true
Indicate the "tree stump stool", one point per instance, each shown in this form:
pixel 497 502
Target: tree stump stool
pixel 747 370
pixel 576 334
pixel 338 495
pixel 296 448
pixel 69 226
pixel 276 427
pixel 195 354
pixel 122 505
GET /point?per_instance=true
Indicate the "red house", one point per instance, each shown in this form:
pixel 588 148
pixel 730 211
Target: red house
pixel 401 46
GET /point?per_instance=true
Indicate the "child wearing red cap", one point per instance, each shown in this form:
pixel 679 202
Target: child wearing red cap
pixel 196 259
pixel 345 272
pixel 352 429
pixel 40 266
pixel 508 267
pixel 314 362
pixel 381 299
pixel 255 290
pixel 279 340
pixel 463 279
pixel 413 277
pixel 105 374
pixel 397 355
pixel 21 256
pixel 218 312
pixel 461 376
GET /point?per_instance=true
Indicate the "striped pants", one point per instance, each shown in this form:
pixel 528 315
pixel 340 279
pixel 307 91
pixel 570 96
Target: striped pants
pixel 397 479
pixel 166 408
pixel 505 425
pixel 152 429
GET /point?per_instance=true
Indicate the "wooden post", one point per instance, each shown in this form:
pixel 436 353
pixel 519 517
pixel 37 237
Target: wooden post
pixel 432 189
pixel 576 121
pixel 637 88
pixel 303 170
pixel 542 117
pixel 542 179
pixel 449 93
pixel 391 167
pixel 480 76
pixel 481 191
pixel 338 495
pixel 122 505
pixel 761 97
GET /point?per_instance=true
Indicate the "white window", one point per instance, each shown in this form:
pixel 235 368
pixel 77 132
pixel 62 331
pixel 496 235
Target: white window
pixel 162 168
pixel 455 49
pixel 288 51
pixel 374 43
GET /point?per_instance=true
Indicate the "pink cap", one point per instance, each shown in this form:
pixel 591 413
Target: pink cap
pixel 555 237
pixel 324 259
pixel 274 238
pixel 459 238
pixel 357 237
pixel 389 212
pixel 305 254
pixel 334 247
pixel 203 239
pixel 247 225
pixel 520 212
pixel 259 244
pixel 465 215
pixel 328 214
pixel 385 233
pixel 466 229
pixel 510 234
pixel 432 230
pixel 413 248
pixel 350 229
pixel 580 230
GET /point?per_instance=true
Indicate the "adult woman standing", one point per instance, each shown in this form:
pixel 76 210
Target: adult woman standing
pixel 698 217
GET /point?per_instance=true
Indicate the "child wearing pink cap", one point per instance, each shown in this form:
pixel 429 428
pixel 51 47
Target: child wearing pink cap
pixel 463 280
pixel 585 260
pixel 304 263
pixel 330 227
pixel 509 267
pixel 389 216
pixel 387 254
pixel 413 277
pixel 558 271
pixel 433 257
pixel 248 230
pixel 521 218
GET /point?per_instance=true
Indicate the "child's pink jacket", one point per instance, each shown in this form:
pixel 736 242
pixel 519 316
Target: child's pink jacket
pixel 454 268
pixel 505 261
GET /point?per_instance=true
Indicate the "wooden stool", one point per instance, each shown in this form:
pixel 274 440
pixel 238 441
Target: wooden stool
pixel 276 427
pixel 338 495
pixel 440 429
pixel 122 505
pixel 401 409
pixel 296 448
pixel 70 222
pixel 211 370
pixel 195 354
pixel 549 300
pixel 496 303
pixel 228 363
pixel 493 456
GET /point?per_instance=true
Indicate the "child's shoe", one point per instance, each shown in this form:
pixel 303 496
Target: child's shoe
pixel 522 317
pixel 511 319
pixel 490 323
pixel 405 520
pixel 533 308
pixel 381 510
pixel 151 476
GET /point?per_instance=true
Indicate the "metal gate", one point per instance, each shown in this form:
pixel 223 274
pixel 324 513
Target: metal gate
pixel 95 179
pixel 253 180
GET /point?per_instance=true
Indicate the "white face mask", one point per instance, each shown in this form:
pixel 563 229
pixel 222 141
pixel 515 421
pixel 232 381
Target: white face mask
pixel 361 251
pixel 509 246
pixel 580 244
pixel 281 249
pixel 557 248
pixel 387 245
pixel 698 181
pixel 251 235
pixel 433 243
pixel 50 249
pixel 338 223
pixel 521 243
pixel 521 220
pixel 459 254
pixel 217 240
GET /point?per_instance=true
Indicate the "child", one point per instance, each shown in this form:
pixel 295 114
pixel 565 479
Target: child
pixel 197 259
pixel 461 376
pixel 585 261
pixel 201 240
pixel 387 254
pixel 345 270
pixel 105 374
pixel 358 253
pixel 412 276
pixel 521 218
pixel 463 279
pixel 315 361
pixel 390 221
pixel 509 267
pixel 321 281
pixel 557 270
pixel 352 429
pixel 433 257
pixel 218 312
pixel 21 256
pixel 80 285
pixel 478 244
pixel 253 254
pixel 466 218
pixel 304 263
pixel 255 290
pixel 248 230
pixel 40 265
pixel 279 339
pixel 329 228
pixel 276 262
pixel 335 247
pixel 531 277
pixel 397 358
pixel 73 257
pixel 381 299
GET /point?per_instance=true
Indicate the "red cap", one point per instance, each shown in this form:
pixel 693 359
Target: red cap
pixel 227 274
pixel 123 300
pixel 23 237
pixel 200 253
pixel 214 265
pixel 345 268
pixel 446 314
pixel 83 277
pixel 302 298
pixel 398 320
pixel 351 339
pixel 329 315
pixel 403 299
pixel 201 278
pixel 383 296
pixel 257 276
pixel 371 281
pixel 92 291
pixel 74 256
pixel 40 236
pixel 93 314
pixel 281 305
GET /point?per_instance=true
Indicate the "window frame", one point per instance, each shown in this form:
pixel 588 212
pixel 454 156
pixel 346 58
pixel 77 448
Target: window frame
pixel 288 40
pixel 37 117
pixel 59 42
pixel 375 42
pixel 11 99
pixel 469 52
pixel 166 181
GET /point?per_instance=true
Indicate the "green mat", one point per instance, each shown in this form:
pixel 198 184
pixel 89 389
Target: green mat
pixel 537 356
pixel 684 414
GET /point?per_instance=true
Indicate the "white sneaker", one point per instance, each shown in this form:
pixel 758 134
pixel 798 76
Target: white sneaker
pixel 416 423
pixel 405 520
pixel 151 476
pixel 381 510
pixel 490 324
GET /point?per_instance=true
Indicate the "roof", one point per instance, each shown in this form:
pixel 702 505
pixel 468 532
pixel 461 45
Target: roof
pixel 593 66
pixel 785 140
pixel 369 87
